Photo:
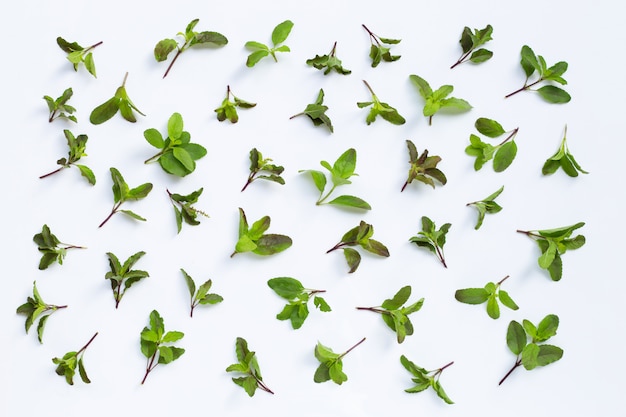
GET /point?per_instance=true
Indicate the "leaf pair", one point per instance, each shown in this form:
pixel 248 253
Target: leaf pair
pixel 490 294
pixel 432 239
pixel 260 50
pixel 153 344
pixel 122 277
pixel 394 315
pixel 258 164
pixel 59 109
pixel 534 353
pixel 119 102
pixel 424 379
pixel 380 48
pixel 563 159
pixel 77 54
pixel 553 243
pixel 532 64
pixel 360 235
pixel 254 239
pixel 191 38
pixel 438 99
pixel 340 173
pixel 385 111
pixel 331 364
pixel 470 41
pixel 228 109
pixel 184 209
pixel 502 154
pixel 201 295
pixel 423 167
pixel 36 308
pixel 122 193
pixel 486 205
pixel 317 112
pixel 328 62
pixel 177 155
pixel 249 366
pixel 66 365
pixel 77 147
pixel 293 291
pixel 51 248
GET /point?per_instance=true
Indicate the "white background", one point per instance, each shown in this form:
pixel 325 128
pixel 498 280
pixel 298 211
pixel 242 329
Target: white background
pixel 587 381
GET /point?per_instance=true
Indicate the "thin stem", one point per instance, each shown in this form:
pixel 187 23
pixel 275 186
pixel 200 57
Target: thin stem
pixel 52 116
pixel 440 256
pixel 529 233
pixel 517 363
pixel 369 88
pixel 440 370
pixel 118 297
pixel 525 87
pixel 404 186
pixel 339 246
pixel 149 367
pixel 372 36
pixel 92 46
pixel 296 115
pixel 250 179
pixel 332 51
pixel 430 120
pixel 147 161
pixel 262 385
pixel 125 77
pixel 461 59
pixel 313 292
pixel 88 343
pixel 113 211
pixel 374 309
pixel 349 350
pixel 502 280
pixel 322 199
pixel 512 135
pixel 178 52
pixel 53 172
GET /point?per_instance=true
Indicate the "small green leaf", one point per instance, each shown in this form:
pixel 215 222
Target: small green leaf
pixel 489 127
pixel 286 287
pixel 554 94
pixel 272 243
pixel 105 111
pixel 504 156
pixel 516 337
pixel 350 201
pixel 471 295
pixel 281 32
pixel 353 258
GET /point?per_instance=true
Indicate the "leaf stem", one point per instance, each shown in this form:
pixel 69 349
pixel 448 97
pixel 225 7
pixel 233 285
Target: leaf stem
pixel 322 199
pixel 372 36
pixel 340 245
pixel 349 350
pixel 369 88
pixel 525 87
pixel 517 363
pixel 125 77
pixel 374 309
pixel 502 280
pixel 263 386
pixel 332 51
pixel 178 52
pixel 53 172
pixel 92 46
pixel 512 135
pixel 440 256
pixel 113 211
pixel 89 342
pixel 147 161
pixel 530 234
pixel 462 58
pixel 440 370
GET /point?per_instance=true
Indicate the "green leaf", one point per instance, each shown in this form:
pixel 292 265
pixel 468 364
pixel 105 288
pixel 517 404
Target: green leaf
pixel 172 336
pixel 529 61
pixel 547 327
pixel 318 178
pixel 398 299
pixel 548 354
pixel 321 304
pixel 553 94
pixel 191 286
pixel 506 300
pixel 105 111
pixel 87 173
pixel 281 32
pixel 255 57
pixel 174 126
pixel 163 49
pixel 272 243
pixel 350 201
pixel 353 258
pixel 529 356
pixel 481 55
pixel 489 127
pixel 322 373
pixel 493 309
pixel 504 156
pixel 516 337
pixel 286 287
pixel 471 295
pixel 214 38
pixel 184 158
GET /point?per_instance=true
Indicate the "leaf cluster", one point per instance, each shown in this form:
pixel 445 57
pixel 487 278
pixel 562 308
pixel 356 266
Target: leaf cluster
pixel 360 235
pixel 122 277
pixel 36 308
pixel 331 364
pixel 394 315
pixel 77 54
pixel 260 50
pixel 249 366
pixel 470 41
pixel 119 102
pixel 438 99
pixel 490 294
pixel 66 365
pixel 51 248
pixel 254 239
pixel 563 159
pixel 201 295
pixel 258 165
pixel 553 243
pixel 297 309
pixel 153 344
pixel 328 62
pixel 59 108
pixel 228 109
pixel 486 205
pixel 184 209
pixel 431 238
pixel 123 193
pixel 177 155
pixel 380 48
pixel 191 38
pixel 423 167
pixel 317 112
pixel 424 379
pixel 77 147
pixel 502 154
pixel 383 109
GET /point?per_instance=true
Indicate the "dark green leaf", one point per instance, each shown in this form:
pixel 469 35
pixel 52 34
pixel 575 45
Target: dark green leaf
pixel 271 243
pixel 353 258
pixel 350 201
pixel 105 111
pixel 553 94
pixel 286 287
pixel 471 295
pixel 163 49
pixel 516 337
pixel 489 127
pixel 504 156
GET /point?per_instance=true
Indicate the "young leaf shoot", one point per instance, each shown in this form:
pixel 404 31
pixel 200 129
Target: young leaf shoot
pixel 317 112
pixel 155 344
pixel 260 50
pixel 328 62
pixel 122 276
pixel 228 109
pixel 66 366
pixel 201 295
pixel 424 379
pixel 470 41
pixel 164 47
pixel 532 64
pixel 502 154
pixel 77 54
pixel 51 247
pixel 340 172
pixel 119 102
pixel 184 209
pixel 248 366
pixel 360 235
pixel 331 364
pixel 36 308
pixel 260 165
pixel 438 99
pixel 380 48
pixel 553 243
pixel 535 352
pixel 59 109
pixel 122 193
pixel 77 147
pixel 432 239
pixel 385 111
pixel 177 155
pixel 489 294
pixel 394 315
pixel 293 291
pixel 423 168
pixel 564 159
pixel 254 239
pixel 487 205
